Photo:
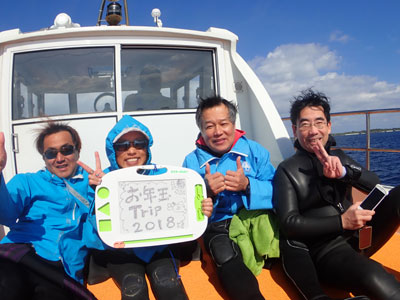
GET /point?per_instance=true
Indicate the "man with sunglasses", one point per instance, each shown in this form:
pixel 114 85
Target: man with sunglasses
pixel 320 224
pixel 46 213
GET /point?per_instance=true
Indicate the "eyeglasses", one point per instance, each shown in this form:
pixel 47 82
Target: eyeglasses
pixel 307 125
pixel 64 150
pixel 138 144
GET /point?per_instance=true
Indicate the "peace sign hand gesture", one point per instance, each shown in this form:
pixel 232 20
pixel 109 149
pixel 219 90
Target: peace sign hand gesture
pixel 333 167
pixel 94 175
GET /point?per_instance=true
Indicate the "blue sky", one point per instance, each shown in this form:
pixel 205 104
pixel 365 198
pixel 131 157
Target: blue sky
pixel 349 49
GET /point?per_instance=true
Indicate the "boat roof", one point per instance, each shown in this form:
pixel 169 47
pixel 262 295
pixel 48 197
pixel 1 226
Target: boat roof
pixel 212 33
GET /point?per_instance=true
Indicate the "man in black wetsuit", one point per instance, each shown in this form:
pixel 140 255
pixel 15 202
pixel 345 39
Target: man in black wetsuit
pixel 319 222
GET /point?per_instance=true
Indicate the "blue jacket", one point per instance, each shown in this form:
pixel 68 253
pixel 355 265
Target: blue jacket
pixel 49 216
pixel 257 167
pixel 127 124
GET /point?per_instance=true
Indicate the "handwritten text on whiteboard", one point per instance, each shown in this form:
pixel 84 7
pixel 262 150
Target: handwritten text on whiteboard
pixel 152 206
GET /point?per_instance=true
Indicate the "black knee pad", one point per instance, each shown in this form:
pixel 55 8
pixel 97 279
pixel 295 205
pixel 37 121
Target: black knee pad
pixel 165 276
pixel 132 286
pixel 222 249
pixel 165 282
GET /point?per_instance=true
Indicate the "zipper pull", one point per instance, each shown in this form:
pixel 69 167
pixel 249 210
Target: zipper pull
pixel 340 207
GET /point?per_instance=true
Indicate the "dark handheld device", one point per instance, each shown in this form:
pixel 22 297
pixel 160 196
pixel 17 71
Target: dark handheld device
pixel 375 197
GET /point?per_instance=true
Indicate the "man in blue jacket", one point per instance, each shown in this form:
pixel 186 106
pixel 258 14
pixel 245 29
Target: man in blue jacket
pixel 238 174
pixel 46 213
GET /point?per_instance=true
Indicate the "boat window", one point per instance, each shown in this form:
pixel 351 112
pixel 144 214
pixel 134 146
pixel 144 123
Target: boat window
pixel 165 78
pixel 63 81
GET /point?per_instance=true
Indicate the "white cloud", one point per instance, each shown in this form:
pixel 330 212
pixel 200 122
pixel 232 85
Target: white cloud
pixel 294 67
pixel 338 36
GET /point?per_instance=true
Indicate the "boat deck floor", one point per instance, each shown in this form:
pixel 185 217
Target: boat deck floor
pixel 200 281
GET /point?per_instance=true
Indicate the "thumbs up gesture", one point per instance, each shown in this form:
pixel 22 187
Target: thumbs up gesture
pixel 236 180
pixel 215 182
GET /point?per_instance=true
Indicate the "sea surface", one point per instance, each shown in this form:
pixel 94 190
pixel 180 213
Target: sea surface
pixel 385 164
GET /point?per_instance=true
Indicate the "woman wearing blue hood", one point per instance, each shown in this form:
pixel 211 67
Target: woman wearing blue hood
pixel 128 144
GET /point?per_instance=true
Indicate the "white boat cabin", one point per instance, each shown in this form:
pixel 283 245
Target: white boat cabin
pixel 90 77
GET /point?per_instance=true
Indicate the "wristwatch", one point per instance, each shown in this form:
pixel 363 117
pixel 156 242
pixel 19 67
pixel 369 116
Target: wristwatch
pixel 352 171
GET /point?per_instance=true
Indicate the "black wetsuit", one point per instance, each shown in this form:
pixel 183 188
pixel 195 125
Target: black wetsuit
pixel 314 245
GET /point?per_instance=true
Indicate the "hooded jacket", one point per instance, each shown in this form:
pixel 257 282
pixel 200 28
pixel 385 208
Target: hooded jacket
pixel 40 209
pixel 256 166
pixel 125 125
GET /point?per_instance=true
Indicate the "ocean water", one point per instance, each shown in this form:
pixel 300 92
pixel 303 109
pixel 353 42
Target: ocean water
pixel 385 164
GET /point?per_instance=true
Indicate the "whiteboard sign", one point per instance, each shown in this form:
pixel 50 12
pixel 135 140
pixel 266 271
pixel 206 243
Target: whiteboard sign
pixel 153 205
pixel 137 210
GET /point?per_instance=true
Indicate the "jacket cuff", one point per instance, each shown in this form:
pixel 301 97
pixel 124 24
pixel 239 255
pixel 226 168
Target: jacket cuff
pixel 353 173
pixel 340 222
pixel 247 190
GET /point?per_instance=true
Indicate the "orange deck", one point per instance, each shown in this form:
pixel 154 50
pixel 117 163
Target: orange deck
pixel 201 283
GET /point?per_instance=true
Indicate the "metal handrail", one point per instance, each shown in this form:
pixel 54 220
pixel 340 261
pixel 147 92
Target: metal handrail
pixel 367 114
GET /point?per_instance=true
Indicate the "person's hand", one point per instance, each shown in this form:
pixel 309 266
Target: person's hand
pixel 207 207
pixel 355 218
pixel 333 167
pixel 236 180
pixel 94 175
pixel 215 182
pixel 3 153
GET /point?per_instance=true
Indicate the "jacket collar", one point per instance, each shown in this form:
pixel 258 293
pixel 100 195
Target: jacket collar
pixel 240 148
pixel 202 144
pixel 60 181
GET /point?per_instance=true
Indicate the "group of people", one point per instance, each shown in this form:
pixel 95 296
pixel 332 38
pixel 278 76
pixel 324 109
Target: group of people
pixel 53 233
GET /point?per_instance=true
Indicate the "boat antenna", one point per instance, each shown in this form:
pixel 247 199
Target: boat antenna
pixel 156 13
pixel 114 15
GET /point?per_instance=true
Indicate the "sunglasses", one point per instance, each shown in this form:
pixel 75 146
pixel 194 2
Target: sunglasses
pixel 64 150
pixel 138 144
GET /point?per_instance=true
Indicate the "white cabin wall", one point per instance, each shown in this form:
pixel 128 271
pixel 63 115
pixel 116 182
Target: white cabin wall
pixel 5 126
pixel 257 113
pixel 226 78
pixel 174 136
pixel 259 117
pixel 5 110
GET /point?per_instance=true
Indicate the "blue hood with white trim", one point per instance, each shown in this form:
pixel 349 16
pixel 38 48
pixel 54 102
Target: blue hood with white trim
pixel 125 125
